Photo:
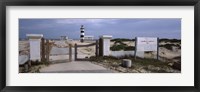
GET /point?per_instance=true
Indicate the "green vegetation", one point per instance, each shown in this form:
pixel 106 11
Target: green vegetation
pixel 45 63
pixel 122 47
pixel 178 57
pixel 170 40
pixel 122 39
pixel 129 48
pixel 35 63
pixel 160 40
pixel 35 67
pixel 101 58
pixel 140 61
pixel 146 62
pixel 140 64
pixel 119 45
pixel 170 46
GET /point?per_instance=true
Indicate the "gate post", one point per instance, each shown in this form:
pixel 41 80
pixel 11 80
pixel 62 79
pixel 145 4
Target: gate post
pixel 70 52
pixel 100 47
pixel 35 46
pixel 75 48
pixel 157 48
pixel 43 50
pixel 97 47
pixel 105 45
pixel 47 50
pixel 135 48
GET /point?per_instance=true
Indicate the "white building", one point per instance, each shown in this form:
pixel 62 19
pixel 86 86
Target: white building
pixel 63 38
pixel 88 38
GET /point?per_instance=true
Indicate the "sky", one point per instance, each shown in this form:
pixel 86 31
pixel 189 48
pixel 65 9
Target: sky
pixel 119 28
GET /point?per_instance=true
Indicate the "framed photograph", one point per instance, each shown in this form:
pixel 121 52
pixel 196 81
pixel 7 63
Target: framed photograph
pixel 86 45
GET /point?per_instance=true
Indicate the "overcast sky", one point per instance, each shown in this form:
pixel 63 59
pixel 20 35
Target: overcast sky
pixel 118 28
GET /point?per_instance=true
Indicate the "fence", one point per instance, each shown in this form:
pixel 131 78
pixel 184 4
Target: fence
pixel 59 51
pixel 96 44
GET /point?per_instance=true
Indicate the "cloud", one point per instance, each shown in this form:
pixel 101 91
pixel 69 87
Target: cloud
pixel 94 22
pixel 122 27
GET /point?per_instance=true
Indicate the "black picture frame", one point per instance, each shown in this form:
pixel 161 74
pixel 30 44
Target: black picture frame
pixel 4 3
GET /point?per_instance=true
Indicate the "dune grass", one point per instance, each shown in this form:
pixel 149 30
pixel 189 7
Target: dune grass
pixel 138 61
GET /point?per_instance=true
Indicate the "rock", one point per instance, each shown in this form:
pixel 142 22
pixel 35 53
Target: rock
pixel 177 66
pixel 121 69
pixel 126 62
pixel 26 67
pixel 143 71
pixel 170 64
pixel 134 71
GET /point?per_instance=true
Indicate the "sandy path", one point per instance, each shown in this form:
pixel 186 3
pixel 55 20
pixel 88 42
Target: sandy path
pixel 75 67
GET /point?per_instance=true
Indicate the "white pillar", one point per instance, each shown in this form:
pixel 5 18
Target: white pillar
pixel 106 44
pixel 35 46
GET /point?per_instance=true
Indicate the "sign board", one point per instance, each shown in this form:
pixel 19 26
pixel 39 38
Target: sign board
pixel 147 43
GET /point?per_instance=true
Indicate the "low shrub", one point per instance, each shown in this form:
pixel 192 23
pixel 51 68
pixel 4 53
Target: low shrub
pixel 170 40
pixel 169 46
pixel 146 62
pixel 129 48
pixel 101 58
pixel 117 47
pixel 122 39
pixel 122 47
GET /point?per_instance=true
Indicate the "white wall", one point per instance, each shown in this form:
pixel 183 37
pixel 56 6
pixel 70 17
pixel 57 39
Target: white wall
pixel 106 47
pixel 35 50
pixel 128 53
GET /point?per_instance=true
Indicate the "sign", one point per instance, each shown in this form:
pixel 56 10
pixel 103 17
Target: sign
pixel 146 43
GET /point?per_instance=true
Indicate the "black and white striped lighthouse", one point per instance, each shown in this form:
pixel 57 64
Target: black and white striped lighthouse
pixel 82 33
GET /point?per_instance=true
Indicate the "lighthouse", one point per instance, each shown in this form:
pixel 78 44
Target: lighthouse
pixel 82 33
